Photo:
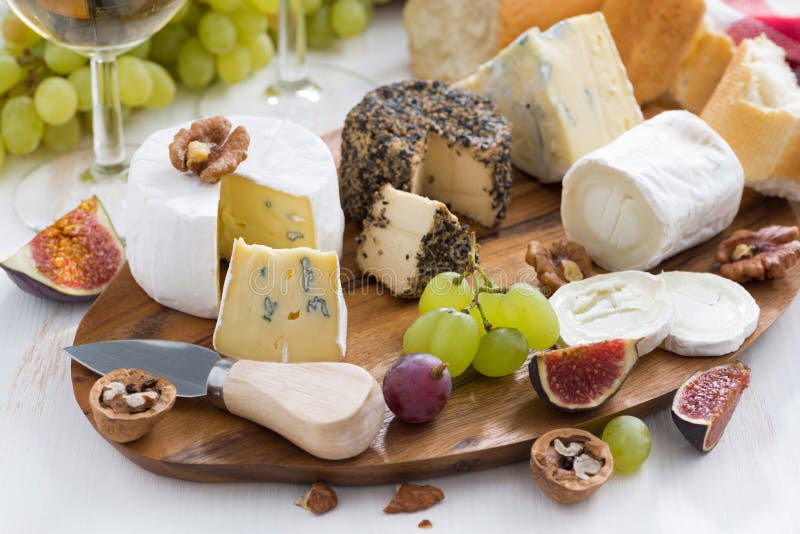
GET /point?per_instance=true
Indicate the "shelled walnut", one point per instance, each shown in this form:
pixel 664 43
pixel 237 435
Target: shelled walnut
pixel 413 498
pixel 127 403
pixel 570 464
pixel 319 499
pixel 209 149
pixel 765 254
pixel 559 263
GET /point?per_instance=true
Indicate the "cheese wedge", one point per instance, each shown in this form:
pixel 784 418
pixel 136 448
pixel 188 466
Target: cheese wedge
pixel 658 189
pixel 283 305
pixel 627 304
pixel 285 194
pixel 713 315
pixel 756 108
pixel 564 91
pixel 408 239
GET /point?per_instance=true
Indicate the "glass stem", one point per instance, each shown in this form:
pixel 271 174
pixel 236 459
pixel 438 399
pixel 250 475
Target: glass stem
pixel 291 43
pixel 109 149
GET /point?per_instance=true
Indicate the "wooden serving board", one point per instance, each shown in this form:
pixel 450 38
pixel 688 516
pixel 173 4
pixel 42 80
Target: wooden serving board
pixel 488 421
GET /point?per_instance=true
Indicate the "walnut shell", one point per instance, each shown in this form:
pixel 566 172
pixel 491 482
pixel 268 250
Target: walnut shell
pixel 125 427
pixel 560 484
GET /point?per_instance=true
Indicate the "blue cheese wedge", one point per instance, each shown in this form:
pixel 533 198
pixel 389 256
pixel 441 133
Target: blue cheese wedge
pixel 408 239
pixel 283 305
pixel 564 91
pixel 713 315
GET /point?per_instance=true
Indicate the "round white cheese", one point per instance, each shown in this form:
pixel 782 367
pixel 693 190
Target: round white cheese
pixel 658 189
pixel 628 304
pixel 172 216
pixel 713 315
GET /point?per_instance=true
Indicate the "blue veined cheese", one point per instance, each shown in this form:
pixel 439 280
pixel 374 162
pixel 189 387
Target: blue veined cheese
pixel 282 305
pixel 564 91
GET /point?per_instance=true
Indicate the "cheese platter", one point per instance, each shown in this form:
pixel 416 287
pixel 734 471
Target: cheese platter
pixel 487 422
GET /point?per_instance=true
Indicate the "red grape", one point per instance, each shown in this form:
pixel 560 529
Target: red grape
pixel 416 387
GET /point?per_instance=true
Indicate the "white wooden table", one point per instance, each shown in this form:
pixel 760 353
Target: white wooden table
pixel 57 474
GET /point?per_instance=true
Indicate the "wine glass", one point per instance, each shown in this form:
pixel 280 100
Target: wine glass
pixel 314 94
pixel 100 30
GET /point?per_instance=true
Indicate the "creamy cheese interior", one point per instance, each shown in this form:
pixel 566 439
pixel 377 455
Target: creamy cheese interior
pixel 259 214
pixel 453 176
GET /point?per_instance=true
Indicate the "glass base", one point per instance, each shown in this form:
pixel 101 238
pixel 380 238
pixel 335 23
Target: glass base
pixel 57 186
pixel 319 103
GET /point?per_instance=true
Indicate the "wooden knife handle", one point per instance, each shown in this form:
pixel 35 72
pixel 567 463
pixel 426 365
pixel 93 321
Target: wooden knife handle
pixel 332 410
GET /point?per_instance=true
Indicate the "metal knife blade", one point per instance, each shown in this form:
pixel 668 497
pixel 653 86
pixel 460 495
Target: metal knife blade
pixel 185 365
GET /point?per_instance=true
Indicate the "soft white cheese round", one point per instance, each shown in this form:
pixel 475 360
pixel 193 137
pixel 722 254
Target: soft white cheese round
pixel 627 304
pixel 658 189
pixel 713 315
pixel 172 216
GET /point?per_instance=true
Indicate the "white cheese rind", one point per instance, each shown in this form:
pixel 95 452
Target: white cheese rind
pixel 628 304
pixel 658 189
pixel 713 315
pixel 172 216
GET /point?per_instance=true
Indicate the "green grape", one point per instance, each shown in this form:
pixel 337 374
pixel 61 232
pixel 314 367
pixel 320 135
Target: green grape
pixel 441 292
pixel 141 51
pixel 163 86
pixel 234 66
pixel 63 137
pixel 489 303
pixel 55 100
pixel 2 154
pixel 261 51
pixel 311 6
pixel 10 72
pixel 349 17
pixel 18 33
pixel 320 32
pixel 501 352
pixel 629 440
pixel 450 335
pixel 268 7
pixel 217 32
pixel 525 308
pixel 135 83
pixel 167 43
pixel 196 67
pixel 62 60
pixel 192 18
pixel 224 6
pixel 21 126
pixel 181 14
pixel 249 23
pixel 81 81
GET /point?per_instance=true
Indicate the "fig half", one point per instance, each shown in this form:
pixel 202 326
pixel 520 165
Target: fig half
pixel 74 259
pixel 583 377
pixel 703 405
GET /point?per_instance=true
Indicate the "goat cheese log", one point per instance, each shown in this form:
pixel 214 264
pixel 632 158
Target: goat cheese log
pixel 658 189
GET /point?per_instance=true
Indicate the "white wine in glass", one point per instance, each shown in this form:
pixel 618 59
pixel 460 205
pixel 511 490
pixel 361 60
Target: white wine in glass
pixel 314 94
pixel 100 30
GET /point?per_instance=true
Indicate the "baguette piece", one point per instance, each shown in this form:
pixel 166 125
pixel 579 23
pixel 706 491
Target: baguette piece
pixel 702 68
pixel 448 39
pixel 653 36
pixel 756 108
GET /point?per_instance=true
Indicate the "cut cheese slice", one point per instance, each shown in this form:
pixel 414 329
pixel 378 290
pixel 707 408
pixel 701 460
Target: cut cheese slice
pixel 628 304
pixel 713 315
pixel 285 194
pixel 408 239
pixel 660 188
pixel 564 91
pixel 282 305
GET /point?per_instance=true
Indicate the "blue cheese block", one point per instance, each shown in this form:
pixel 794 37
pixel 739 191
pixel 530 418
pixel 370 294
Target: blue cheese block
pixel 283 305
pixel 564 91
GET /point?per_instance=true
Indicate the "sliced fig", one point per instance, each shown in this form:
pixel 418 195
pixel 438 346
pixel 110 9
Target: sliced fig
pixel 74 259
pixel 703 405
pixel 583 377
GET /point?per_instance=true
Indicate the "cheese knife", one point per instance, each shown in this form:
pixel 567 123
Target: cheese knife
pixel 332 410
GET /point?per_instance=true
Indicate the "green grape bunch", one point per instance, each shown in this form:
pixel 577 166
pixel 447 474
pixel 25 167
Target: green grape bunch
pixel 45 88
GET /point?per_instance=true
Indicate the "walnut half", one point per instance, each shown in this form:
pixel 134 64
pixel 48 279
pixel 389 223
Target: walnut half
pixel 559 263
pixel 765 254
pixel 209 149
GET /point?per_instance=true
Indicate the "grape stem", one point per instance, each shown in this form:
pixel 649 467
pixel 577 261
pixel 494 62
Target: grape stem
pixel 437 371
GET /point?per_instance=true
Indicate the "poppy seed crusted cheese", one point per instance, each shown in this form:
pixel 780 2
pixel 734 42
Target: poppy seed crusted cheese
pixel 408 239
pixel 432 139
